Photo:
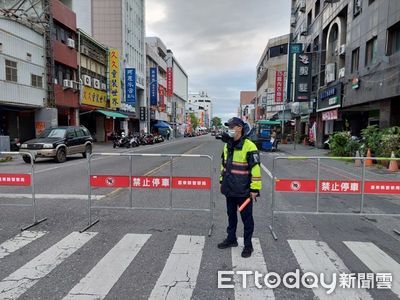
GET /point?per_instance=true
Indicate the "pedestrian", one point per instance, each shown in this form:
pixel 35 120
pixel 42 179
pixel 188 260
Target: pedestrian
pixel 240 179
pixel 168 134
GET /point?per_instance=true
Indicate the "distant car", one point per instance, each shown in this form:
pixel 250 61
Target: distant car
pixel 58 143
pixel 213 133
pixel 218 135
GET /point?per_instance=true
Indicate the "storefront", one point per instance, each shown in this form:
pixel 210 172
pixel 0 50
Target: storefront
pixel 328 104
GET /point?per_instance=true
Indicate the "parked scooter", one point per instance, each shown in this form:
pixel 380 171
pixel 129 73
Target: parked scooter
pixel 134 141
pixel 122 141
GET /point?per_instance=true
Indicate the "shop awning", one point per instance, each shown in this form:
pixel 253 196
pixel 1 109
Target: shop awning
pixel 112 114
pixel 162 124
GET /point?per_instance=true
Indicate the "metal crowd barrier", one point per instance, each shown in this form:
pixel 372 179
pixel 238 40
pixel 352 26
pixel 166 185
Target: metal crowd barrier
pixel 313 186
pixel 127 182
pixel 10 179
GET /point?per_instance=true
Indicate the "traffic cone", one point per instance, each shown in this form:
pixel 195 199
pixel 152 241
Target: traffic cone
pixel 393 167
pixel 368 162
pixel 357 161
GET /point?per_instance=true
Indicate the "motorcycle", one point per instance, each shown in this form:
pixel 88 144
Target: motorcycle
pixel 134 141
pixel 121 141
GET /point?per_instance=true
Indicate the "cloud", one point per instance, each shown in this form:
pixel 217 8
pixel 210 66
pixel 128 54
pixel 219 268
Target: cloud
pixel 218 42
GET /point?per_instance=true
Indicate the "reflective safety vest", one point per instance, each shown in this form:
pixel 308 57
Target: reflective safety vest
pixel 240 169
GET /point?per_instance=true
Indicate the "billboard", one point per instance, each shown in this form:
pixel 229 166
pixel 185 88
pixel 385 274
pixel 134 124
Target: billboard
pixel 302 79
pixel 279 86
pixel 153 86
pixel 130 86
pixel 170 83
pixel 115 81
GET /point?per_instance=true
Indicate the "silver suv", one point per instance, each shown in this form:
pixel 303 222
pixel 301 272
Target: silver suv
pixel 59 142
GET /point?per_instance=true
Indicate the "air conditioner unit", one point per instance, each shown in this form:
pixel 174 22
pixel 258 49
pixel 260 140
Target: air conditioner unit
pixel 103 86
pixel 87 80
pixel 71 43
pixel 342 49
pixel 302 5
pixel 76 85
pixel 67 83
pixel 342 72
pixel 96 83
pixel 330 73
pixel 55 81
pixel 84 50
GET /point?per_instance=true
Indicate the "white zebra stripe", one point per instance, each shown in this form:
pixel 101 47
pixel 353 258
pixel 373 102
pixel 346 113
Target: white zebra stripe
pixel 99 281
pixel 179 276
pixel 25 277
pixel 19 241
pixel 377 261
pixel 317 257
pixel 253 263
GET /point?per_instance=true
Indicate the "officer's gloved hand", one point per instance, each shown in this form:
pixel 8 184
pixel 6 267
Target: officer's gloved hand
pixel 254 195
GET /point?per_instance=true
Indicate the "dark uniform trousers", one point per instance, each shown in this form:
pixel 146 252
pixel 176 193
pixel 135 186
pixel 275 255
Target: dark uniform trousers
pixel 232 204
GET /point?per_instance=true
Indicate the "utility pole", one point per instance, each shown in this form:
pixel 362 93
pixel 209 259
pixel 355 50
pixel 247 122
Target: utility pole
pixel 48 25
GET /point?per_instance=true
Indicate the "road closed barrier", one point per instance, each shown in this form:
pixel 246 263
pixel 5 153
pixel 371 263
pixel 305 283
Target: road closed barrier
pixel 132 182
pixel 22 180
pixel 320 186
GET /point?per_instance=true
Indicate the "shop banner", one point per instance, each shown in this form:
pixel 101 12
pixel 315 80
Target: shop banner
pixel 279 86
pixel 170 83
pixel 130 86
pixel 115 81
pixel 94 97
pixel 153 86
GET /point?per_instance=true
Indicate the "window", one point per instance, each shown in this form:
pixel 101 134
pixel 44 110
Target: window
pixel 393 43
pixel 1 47
pixel 11 70
pixel 370 2
pixel 355 57
pixel 36 81
pixel 317 7
pixel 28 57
pixel 371 51
pixel 357 6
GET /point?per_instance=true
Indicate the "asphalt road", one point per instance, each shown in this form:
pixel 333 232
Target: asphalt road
pixel 159 254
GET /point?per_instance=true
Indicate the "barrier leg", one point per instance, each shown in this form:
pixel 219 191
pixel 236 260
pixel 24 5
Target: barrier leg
pixel 271 227
pixel 212 203
pixel 89 202
pixel 35 221
pixel 396 231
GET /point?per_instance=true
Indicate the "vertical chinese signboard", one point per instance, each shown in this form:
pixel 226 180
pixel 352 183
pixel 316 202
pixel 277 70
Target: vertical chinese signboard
pixel 170 83
pixel 115 92
pixel 161 94
pixel 153 86
pixel 279 86
pixel 130 86
pixel 302 86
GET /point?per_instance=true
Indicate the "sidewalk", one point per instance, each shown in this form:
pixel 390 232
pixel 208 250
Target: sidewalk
pixel 301 150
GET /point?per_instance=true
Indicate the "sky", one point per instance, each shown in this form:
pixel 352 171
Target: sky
pixel 218 42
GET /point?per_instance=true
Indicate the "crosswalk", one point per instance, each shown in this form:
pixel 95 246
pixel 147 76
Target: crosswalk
pixel 178 276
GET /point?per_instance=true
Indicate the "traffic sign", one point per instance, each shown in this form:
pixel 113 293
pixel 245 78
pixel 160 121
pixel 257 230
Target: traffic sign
pixel 295 185
pixel 338 186
pixel 192 183
pixel 109 181
pixel 382 187
pixel 151 182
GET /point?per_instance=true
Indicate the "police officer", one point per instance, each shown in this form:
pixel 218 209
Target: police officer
pixel 240 179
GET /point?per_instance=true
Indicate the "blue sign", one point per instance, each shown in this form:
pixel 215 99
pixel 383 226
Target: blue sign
pixel 130 86
pixel 153 86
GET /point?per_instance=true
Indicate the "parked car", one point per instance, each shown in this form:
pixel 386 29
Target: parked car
pixel 58 143
pixel 218 135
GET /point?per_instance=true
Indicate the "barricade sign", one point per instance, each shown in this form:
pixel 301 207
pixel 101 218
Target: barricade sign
pixel 320 186
pixel 150 182
pixel 11 179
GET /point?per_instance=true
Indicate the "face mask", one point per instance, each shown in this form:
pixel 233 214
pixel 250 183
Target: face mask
pixel 231 133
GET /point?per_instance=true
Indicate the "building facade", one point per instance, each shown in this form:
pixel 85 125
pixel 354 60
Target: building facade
pixel 120 25
pixel 355 48
pixel 271 79
pixel 247 107
pixel 177 93
pixel 204 103
pixel 156 65
pixel 22 78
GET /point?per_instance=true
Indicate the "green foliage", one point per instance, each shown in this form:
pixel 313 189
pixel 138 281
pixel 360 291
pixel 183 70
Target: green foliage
pixel 372 137
pixel 352 147
pixel 216 121
pixel 338 143
pixel 193 121
pixel 390 142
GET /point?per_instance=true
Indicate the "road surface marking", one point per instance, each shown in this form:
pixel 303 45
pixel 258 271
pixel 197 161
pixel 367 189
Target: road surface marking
pixel 377 261
pixel 19 241
pixel 96 285
pixel 52 196
pixel 266 171
pixel 253 263
pixel 178 278
pixel 317 257
pixel 25 277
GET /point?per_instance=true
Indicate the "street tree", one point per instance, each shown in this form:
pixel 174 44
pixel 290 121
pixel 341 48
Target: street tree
pixel 216 121
pixel 193 121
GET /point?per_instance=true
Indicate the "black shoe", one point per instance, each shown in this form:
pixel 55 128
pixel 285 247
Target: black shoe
pixel 227 244
pixel 247 252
